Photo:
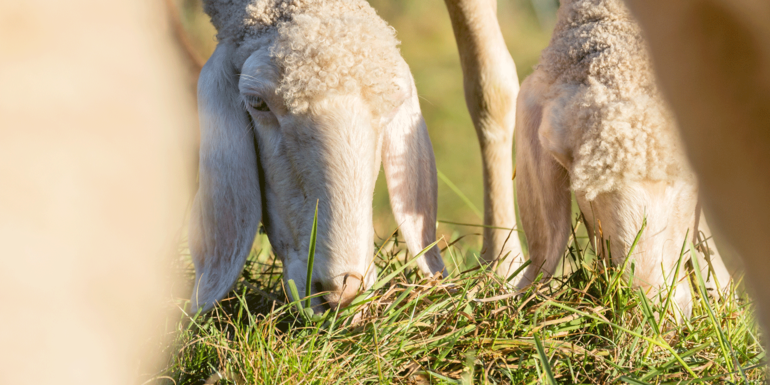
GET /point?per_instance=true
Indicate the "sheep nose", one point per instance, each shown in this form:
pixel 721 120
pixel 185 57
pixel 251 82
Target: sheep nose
pixel 342 291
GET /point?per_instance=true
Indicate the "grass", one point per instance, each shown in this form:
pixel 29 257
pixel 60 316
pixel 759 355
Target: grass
pixel 589 327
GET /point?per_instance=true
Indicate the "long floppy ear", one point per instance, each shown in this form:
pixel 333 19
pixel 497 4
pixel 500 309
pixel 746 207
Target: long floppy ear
pixel 410 170
pixel 227 207
pixel 542 184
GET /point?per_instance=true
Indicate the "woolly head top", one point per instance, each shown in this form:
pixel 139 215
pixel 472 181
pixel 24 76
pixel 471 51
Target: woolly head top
pixel 320 46
pixel 599 71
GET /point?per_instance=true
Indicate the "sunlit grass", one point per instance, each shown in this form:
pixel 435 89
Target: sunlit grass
pixel 587 327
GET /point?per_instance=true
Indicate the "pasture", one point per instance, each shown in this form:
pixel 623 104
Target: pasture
pixel 587 327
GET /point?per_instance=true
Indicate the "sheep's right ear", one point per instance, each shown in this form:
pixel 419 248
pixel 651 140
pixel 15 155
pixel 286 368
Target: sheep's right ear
pixel 227 207
pixel 410 171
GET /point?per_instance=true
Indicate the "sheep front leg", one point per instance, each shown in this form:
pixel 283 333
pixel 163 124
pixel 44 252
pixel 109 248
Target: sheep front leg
pixel 491 86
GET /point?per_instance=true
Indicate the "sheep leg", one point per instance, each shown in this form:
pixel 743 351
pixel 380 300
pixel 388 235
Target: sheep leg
pixel 491 86
pixel 542 186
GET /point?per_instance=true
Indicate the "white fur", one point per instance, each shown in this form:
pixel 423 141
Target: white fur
pixel 491 87
pixel 337 106
pixel 226 211
pixel 591 119
pixel 712 58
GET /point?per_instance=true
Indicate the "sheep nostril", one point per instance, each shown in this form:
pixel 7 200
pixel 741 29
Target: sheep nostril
pixel 343 292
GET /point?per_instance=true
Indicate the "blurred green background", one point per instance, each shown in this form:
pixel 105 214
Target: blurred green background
pixel 427 44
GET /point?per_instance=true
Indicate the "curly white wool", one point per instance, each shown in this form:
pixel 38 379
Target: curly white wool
pixel 321 46
pixel 619 126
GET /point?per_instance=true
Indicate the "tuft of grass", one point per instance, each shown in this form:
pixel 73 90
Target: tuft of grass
pixel 589 327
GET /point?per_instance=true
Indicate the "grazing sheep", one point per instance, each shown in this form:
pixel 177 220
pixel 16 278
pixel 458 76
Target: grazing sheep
pixel 713 62
pixel 298 104
pixel 590 119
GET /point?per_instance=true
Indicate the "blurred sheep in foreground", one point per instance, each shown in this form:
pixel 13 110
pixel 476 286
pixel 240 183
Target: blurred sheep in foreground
pixel 299 104
pixel 712 58
pixel 96 129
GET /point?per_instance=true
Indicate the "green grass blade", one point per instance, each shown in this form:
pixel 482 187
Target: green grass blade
pixel 295 294
pixel 519 270
pixel 377 356
pixel 620 272
pixel 460 194
pixel 649 315
pixel 476 225
pixel 446 380
pixel 382 281
pixel 724 344
pixel 398 300
pixel 660 369
pixel 467 377
pixel 632 381
pixel 674 280
pixel 544 360
pixel 311 256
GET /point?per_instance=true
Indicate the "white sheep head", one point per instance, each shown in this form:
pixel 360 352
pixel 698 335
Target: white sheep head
pixel 590 119
pixel 606 123
pixel 299 103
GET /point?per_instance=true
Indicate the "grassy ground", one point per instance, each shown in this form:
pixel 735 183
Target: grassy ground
pixel 589 327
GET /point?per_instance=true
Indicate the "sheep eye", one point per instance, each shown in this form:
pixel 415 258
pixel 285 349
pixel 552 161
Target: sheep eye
pixel 258 104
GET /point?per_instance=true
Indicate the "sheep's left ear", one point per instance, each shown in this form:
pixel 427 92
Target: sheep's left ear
pixel 410 171
pixel 227 207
